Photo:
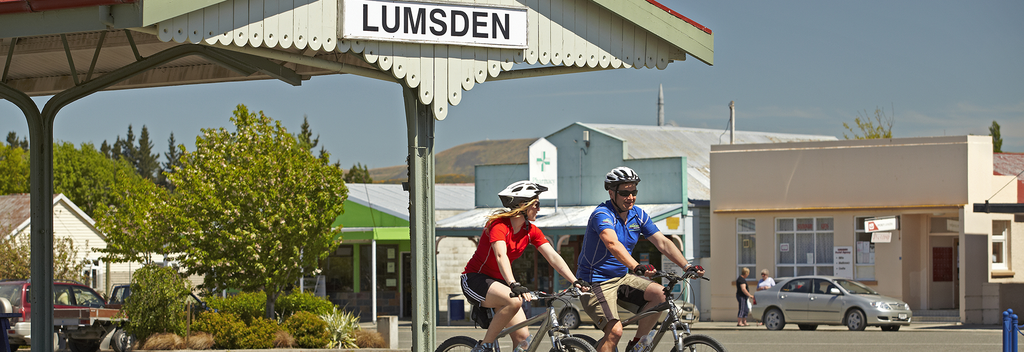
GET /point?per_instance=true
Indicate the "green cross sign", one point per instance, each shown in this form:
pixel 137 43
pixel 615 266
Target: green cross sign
pixel 543 160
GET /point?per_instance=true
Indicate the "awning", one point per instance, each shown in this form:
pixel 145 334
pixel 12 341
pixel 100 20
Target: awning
pixel 553 221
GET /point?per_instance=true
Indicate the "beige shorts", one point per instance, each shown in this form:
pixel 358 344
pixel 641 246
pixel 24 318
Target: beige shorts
pixel 626 291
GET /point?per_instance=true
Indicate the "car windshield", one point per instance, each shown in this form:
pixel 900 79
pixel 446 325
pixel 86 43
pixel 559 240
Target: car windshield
pixel 856 287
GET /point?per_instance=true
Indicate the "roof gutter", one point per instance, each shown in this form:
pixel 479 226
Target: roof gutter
pixel 23 6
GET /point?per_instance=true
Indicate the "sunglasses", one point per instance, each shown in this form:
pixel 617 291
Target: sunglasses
pixel 623 193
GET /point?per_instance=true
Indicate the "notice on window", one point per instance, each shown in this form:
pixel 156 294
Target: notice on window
pixel 842 261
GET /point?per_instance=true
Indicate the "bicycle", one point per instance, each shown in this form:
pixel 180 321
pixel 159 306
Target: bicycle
pixel 684 341
pixel 561 339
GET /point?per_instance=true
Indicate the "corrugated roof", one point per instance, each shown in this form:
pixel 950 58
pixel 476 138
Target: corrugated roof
pixel 645 142
pixel 549 217
pixel 393 200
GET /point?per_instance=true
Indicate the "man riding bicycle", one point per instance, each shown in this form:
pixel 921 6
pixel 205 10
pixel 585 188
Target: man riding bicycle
pixel 606 260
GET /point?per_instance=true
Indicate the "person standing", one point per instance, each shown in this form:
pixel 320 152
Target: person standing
pixel 606 260
pixel 766 281
pixel 742 295
pixel 488 280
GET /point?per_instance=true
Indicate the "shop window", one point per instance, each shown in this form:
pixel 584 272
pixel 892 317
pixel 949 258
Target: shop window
pixel 804 246
pixel 338 270
pixel 1000 234
pixel 386 264
pixel 864 265
pixel 746 245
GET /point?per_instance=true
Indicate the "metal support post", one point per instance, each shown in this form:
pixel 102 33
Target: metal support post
pixel 41 235
pixel 420 122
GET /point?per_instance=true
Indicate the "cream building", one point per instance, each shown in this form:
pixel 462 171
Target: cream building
pixel 791 207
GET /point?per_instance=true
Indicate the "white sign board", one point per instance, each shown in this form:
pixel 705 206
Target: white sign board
pixel 842 259
pixel 435 23
pixel 881 224
pixel 544 167
pixel 783 247
pixel 952 225
pixel 881 237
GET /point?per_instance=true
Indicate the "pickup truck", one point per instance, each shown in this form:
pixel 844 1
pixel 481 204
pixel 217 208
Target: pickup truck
pixel 80 315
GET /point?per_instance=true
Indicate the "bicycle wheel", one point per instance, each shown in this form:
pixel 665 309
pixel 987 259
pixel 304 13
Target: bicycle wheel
pixel 702 343
pixel 457 344
pixel 574 344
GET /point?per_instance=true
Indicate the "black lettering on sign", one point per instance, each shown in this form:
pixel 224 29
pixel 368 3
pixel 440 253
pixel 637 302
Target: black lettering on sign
pixel 456 14
pixel 496 24
pixel 384 18
pixel 477 33
pixel 419 24
pixel 366 19
pixel 438 22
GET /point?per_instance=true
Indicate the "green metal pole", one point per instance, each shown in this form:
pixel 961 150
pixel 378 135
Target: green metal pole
pixel 40 130
pixel 421 221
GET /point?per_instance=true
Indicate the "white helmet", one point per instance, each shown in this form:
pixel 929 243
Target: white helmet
pixel 519 192
pixel 620 175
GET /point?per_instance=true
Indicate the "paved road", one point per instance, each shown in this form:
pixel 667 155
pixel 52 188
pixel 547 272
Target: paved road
pixel 917 337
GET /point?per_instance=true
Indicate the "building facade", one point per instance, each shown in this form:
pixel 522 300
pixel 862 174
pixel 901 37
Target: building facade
pixel 793 208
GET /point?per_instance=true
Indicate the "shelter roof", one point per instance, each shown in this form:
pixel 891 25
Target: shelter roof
pixel 393 200
pixel 60 44
pixel 645 142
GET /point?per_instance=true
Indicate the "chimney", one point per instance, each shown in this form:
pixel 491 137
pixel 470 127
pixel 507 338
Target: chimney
pixel 661 106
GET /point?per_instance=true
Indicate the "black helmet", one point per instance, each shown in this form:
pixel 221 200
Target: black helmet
pixel 519 192
pixel 620 175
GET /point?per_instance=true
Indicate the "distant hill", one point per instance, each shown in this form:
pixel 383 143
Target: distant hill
pixel 455 165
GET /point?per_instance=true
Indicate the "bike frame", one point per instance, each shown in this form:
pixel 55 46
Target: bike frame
pixel 549 323
pixel 671 321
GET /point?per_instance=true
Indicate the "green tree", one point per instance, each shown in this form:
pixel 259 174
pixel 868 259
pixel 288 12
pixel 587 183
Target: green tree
pixel 305 136
pixel 125 148
pixel 255 207
pixel 85 175
pixel 173 156
pixel 358 174
pixel 997 139
pixel 15 257
pixel 871 128
pixel 157 302
pixel 137 220
pixel 14 141
pixel 145 161
pixel 14 168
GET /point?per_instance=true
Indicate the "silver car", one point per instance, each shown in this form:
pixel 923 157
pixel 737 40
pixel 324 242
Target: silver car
pixel 809 301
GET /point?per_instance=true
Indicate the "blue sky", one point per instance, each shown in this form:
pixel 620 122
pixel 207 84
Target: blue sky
pixel 940 67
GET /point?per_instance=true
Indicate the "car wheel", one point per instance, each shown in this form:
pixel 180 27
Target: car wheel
pixel 15 347
pixel 890 328
pixel 569 317
pixel 807 327
pixel 855 320
pixel 774 320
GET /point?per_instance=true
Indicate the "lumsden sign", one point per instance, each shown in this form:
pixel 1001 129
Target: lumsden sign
pixel 434 23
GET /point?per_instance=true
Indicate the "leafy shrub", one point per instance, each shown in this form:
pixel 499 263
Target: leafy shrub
pixel 341 324
pixel 227 329
pixel 157 302
pixel 287 305
pixel 259 334
pixel 369 339
pixel 245 305
pixel 308 330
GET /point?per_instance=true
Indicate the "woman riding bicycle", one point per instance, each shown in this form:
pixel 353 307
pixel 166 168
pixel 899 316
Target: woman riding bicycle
pixel 488 280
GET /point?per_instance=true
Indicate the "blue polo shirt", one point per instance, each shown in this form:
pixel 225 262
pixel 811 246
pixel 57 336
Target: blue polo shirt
pixel 596 263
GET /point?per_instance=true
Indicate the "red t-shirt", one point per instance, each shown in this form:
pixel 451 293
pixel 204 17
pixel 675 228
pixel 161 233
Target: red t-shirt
pixel 484 261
